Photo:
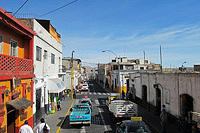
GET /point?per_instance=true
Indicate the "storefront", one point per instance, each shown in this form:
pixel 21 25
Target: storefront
pixel 55 89
pixel 16 104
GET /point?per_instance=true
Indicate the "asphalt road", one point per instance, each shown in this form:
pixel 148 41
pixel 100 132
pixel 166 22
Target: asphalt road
pixel 101 122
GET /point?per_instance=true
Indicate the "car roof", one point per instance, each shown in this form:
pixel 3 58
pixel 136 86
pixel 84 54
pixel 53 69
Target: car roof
pixel 85 99
pixel 82 104
pixel 129 122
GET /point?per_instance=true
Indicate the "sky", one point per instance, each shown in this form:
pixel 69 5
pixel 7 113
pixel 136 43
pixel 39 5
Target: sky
pixel 126 27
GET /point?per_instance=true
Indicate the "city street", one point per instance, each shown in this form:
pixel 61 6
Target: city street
pixel 100 116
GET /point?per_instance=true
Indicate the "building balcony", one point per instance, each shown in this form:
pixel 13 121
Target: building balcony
pixel 10 65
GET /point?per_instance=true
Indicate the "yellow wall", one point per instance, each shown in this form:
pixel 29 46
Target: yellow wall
pixel 29 110
pixel 54 34
pixel 23 45
pixel 124 88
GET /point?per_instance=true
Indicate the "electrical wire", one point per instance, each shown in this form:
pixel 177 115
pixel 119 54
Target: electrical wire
pixel 59 8
pixel 20 7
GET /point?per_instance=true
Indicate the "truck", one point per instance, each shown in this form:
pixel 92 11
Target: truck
pixel 122 109
pixel 80 114
pixel 113 96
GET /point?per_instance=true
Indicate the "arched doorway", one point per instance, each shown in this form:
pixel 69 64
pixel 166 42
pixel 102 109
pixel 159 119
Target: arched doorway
pixel 144 93
pixel 186 105
pixel 158 100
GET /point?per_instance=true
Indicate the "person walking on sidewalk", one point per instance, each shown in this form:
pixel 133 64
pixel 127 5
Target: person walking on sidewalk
pixel 123 95
pixel 25 128
pixel 74 93
pixel 163 118
pixel 42 127
pixel 59 104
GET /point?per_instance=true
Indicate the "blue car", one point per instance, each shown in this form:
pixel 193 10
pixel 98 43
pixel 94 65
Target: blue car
pixel 128 126
pixel 81 114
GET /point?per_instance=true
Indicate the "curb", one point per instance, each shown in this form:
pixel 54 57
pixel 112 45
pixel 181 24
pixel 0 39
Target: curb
pixel 58 130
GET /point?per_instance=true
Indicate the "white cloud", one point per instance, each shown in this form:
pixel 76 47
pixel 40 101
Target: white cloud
pixel 171 38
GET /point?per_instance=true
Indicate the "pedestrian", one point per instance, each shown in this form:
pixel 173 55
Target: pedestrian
pixel 127 95
pixel 185 125
pixel 163 118
pixel 163 107
pixel 123 94
pixel 25 128
pixel 58 105
pixel 74 93
pixel 43 127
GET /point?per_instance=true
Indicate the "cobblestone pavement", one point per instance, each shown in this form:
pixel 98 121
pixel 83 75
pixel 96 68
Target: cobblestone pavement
pixel 55 120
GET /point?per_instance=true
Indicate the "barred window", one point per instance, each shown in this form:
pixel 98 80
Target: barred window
pixel 38 53
pixel 52 58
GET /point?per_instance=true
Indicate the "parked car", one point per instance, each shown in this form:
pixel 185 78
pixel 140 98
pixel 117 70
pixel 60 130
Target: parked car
pixel 135 125
pixel 80 114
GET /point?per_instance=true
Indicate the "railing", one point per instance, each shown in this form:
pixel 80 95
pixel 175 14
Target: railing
pixel 10 65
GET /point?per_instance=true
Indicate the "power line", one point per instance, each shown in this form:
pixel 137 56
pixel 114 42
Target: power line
pixel 20 7
pixel 59 8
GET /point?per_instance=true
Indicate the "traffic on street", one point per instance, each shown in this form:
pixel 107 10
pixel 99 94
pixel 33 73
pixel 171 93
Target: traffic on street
pixel 102 120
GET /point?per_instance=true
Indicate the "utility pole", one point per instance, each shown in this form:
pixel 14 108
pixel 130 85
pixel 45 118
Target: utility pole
pixel 160 58
pixel 144 57
pixel 72 75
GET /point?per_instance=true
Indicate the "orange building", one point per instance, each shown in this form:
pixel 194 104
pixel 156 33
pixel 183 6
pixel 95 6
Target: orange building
pixel 16 73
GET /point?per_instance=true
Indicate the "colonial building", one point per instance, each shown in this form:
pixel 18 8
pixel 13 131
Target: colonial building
pixel 47 66
pixel 115 75
pixel 179 92
pixel 67 65
pixel 16 73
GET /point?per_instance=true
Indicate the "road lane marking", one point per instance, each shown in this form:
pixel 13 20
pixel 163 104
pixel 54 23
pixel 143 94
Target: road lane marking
pixel 83 130
pixel 105 127
pixel 94 93
pixel 104 93
pixel 58 130
pixel 99 93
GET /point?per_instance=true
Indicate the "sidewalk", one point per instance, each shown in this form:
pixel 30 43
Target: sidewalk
pixel 55 120
pixel 154 121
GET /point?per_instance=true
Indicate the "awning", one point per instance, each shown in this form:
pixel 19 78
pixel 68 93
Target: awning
pixel 55 85
pixel 20 103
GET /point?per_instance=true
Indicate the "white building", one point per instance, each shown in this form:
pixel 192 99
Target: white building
pixel 179 92
pixel 47 64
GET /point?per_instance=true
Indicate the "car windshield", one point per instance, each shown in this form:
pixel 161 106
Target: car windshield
pixel 85 102
pixel 80 107
pixel 136 129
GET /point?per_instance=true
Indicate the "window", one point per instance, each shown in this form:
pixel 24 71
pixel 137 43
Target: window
pixel 38 53
pixel 52 58
pixel 1 44
pixel 13 48
pixel 45 54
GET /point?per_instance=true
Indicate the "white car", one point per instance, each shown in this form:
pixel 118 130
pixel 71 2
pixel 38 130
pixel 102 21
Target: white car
pixel 86 100
pixel 84 87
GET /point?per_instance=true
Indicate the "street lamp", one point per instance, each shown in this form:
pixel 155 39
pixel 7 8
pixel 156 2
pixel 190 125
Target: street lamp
pixel 119 82
pixel 72 75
